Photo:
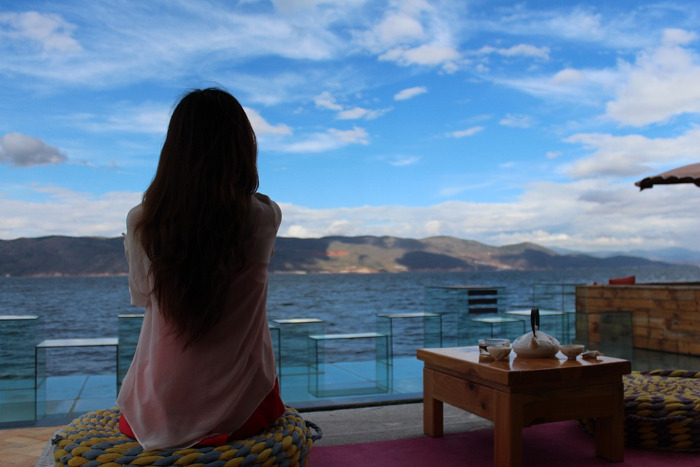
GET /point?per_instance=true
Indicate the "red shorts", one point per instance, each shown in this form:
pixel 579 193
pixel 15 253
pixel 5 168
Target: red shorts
pixel 269 410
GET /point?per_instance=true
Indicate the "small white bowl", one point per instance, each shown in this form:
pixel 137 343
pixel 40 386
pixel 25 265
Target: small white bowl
pixel 498 352
pixel 571 351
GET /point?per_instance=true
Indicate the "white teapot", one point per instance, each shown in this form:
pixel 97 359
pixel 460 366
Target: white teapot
pixel 535 344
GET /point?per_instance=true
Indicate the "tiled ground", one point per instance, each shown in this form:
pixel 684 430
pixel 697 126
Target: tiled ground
pixel 22 447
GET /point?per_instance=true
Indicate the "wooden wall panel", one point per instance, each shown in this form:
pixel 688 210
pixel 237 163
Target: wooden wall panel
pixel 665 317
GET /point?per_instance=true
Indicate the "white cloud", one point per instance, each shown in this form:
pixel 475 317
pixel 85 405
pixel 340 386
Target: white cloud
pixel 568 76
pixel 631 154
pixel 356 135
pixel 517 121
pixel 25 151
pixel 584 86
pixel 580 24
pixel 328 141
pixel 414 32
pixel 520 50
pixel 405 24
pixel 453 190
pixel 357 113
pixel 49 31
pixel 403 161
pixel 661 84
pixel 425 55
pixel 353 114
pixel 586 215
pixel 142 118
pixel 325 100
pixel 673 36
pixel 263 127
pixel 398 28
pixel 467 132
pixel 410 93
pixel 66 212
pixel 271 87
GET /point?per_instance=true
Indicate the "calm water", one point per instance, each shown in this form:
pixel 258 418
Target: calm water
pixel 89 306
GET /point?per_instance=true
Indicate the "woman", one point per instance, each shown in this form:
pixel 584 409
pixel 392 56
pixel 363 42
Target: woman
pixel 198 248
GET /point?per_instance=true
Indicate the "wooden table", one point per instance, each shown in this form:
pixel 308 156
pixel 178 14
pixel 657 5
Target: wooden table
pixel 519 392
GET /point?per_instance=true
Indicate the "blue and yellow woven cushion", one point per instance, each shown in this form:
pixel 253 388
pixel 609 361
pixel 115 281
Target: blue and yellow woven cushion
pixel 662 410
pixel 95 440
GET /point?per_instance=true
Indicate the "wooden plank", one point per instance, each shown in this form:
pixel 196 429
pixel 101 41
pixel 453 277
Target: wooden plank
pixel 432 408
pixel 466 395
pixel 685 295
pixel 508 431
pixel 640 331
pixel 546 406
pixel 664 306
pixel 663 345
pixel 590 292
pixel 689 306
pixel 689 347
pixel 661 294
pixel 641 342
pixel 610 430
pixel 689 325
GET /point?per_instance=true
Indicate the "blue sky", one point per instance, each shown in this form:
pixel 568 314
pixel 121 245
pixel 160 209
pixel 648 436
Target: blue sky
pixel 494 121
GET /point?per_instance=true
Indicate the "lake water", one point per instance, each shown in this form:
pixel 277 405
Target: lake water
pixel 87 307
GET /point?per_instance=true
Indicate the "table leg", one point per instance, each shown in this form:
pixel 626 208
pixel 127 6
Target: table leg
pixel 432 408
pixel 507 430
pixel 610 431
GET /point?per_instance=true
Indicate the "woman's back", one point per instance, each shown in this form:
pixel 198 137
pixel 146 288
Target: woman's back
pixel 174 396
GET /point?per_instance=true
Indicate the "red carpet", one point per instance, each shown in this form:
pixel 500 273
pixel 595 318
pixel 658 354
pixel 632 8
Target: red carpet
pixel 551 444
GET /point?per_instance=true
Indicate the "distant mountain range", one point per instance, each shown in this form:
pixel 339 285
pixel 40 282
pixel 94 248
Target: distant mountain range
pixel 79 256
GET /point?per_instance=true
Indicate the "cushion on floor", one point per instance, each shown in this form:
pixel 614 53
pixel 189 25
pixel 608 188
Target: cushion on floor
pixel 662 410
pixel 95 440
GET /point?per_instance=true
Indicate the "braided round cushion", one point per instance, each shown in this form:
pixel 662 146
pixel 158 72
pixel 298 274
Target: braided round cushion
pixel 662 410
pixel 95 440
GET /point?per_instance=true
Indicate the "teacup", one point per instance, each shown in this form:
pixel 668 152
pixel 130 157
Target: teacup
pixel 499 352
pixel 485 343
pixel 571 351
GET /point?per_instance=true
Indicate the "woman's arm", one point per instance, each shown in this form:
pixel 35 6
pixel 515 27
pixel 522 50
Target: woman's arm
pixel 139 288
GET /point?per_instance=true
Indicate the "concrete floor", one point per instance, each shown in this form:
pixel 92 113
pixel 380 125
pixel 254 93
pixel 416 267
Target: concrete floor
pixel 388 422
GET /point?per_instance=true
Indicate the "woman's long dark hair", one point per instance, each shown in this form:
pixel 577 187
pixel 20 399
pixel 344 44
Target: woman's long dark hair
pixel 195 221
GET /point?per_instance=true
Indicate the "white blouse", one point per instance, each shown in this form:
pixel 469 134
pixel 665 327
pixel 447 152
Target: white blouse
pixel 173 397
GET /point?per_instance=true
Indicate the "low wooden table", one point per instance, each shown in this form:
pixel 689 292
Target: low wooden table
pixel 519 392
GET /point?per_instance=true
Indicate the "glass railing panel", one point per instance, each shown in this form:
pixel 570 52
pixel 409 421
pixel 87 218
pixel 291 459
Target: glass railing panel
pixel 19 334
pixel 129 330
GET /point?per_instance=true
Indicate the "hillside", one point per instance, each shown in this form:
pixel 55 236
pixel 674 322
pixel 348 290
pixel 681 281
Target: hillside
pixel 74 256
